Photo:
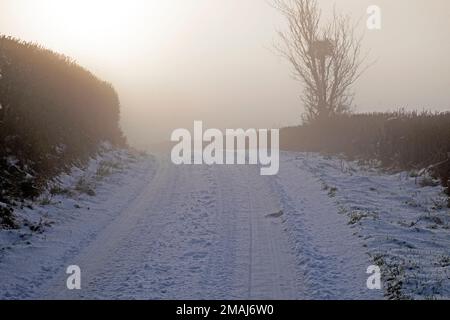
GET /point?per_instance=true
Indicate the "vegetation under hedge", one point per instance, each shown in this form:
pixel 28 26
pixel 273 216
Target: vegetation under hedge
pixel 53 114
pixel 399 140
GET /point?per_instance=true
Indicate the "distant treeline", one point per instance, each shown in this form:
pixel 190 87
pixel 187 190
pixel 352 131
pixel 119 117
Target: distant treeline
pixel 399 140
pixel 53 114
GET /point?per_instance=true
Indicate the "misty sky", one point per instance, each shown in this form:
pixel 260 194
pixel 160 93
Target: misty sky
pixel 176 61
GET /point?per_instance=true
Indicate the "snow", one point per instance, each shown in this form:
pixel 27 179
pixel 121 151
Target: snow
pixel 332 260
pixel 154 230
pixel 67 222
pixel 403 226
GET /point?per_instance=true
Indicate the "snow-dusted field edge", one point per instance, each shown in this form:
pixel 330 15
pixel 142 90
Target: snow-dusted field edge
pixel 63 220
pixel 403 226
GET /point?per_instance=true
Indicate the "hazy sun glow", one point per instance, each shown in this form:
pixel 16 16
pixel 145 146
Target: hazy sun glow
pixel 102 26
pixel 84 18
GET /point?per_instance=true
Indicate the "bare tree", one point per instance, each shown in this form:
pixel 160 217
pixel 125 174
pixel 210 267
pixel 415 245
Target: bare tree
pixel 326 58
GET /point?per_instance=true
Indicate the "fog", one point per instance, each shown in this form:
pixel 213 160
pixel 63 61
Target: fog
pixel 176 61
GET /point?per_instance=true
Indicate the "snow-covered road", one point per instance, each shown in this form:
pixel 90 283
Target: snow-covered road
pixel 193 232
pixel 197 232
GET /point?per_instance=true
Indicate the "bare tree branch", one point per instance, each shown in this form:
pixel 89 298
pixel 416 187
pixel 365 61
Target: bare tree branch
pixel 326 59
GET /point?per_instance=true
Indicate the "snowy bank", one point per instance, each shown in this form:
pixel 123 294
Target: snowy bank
pixel 402 222
pixel 72 210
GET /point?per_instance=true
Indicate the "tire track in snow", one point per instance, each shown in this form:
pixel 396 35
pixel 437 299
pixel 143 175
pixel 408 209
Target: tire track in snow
pixel 99 254
pixel 272 266
pixel 330 257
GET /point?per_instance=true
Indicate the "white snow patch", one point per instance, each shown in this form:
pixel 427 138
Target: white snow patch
pixel 404 227
pixel 60 223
